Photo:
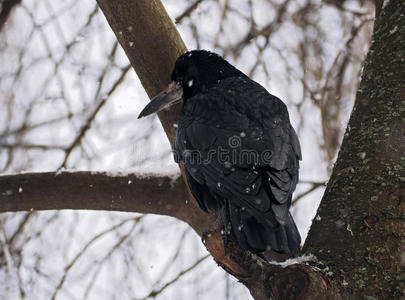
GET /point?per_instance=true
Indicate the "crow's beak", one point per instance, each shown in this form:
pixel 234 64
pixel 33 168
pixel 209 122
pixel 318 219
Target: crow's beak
pixel 171 95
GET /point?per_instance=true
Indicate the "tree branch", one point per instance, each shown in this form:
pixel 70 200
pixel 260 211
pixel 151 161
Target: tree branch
pixel 188 11
pixel 152 44
pixel 5 10
pixel 91 190
pixel 151 193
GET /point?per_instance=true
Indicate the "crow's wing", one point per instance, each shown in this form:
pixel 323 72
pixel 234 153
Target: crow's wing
pixel 240 150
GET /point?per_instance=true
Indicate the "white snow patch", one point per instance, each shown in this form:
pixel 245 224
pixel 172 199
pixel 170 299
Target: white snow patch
pixel 362 155
pixel 7 193
pixel 394 30
pixel 348 228
pixel 60 171
pixel 292 261
pixel 345 283
pixel 145 174
pixel 172 173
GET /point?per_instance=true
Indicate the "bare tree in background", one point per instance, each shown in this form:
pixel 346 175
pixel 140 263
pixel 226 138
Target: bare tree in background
pixel 71 122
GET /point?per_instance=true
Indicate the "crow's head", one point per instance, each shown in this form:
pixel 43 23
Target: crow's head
pixel 199 70
pixel 194 72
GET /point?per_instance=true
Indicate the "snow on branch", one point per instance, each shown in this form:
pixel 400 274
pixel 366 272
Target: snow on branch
pixel 160 194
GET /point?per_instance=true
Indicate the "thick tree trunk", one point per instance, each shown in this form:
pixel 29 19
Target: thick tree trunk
pixel 360 235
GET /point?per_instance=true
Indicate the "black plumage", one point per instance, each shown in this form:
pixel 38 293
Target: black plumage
pixel 239 150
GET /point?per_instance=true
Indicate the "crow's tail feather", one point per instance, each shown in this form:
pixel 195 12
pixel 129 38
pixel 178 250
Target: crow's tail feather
pixel 262 233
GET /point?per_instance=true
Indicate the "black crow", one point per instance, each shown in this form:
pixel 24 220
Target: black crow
pixel 239 150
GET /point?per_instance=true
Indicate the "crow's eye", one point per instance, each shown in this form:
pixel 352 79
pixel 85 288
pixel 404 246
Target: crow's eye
pixel 190 82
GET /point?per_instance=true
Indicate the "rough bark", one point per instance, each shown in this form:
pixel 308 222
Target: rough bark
pixel 143 193
pixel 358 238
pixel 364 203
pixel 92 190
